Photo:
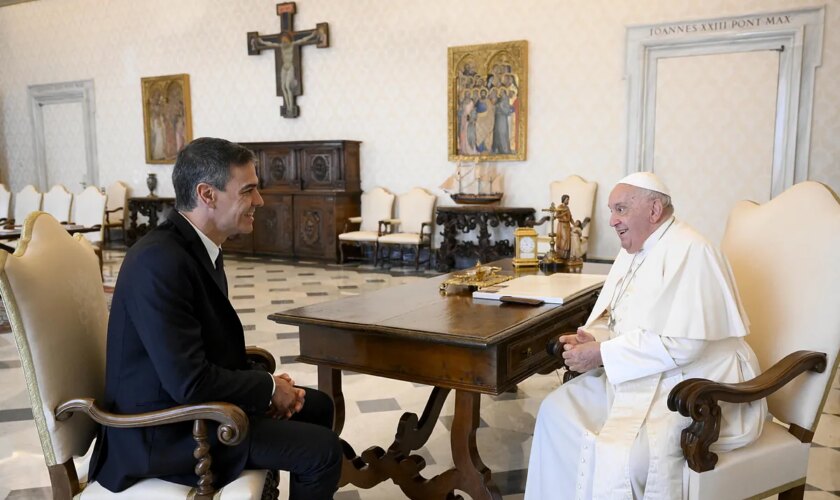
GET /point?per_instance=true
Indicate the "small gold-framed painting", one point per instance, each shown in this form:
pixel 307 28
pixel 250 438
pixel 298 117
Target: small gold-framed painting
pixel 488 101
pixel 167 119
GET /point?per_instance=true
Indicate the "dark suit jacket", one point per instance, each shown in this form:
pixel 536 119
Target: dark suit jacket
pixel 173 338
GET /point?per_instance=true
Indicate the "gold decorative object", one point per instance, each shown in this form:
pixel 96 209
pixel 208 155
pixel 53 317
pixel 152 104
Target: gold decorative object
pixel 563 261
pixel 167 118
pixel 475 278
pixel 525 247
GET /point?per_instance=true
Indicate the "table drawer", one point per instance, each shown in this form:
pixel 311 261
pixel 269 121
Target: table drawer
pixel 525 353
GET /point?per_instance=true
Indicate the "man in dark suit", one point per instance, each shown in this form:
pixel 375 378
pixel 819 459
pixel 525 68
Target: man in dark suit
pixel 174 338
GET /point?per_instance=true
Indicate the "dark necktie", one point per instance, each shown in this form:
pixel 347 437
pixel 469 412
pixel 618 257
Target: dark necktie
pixel 219 275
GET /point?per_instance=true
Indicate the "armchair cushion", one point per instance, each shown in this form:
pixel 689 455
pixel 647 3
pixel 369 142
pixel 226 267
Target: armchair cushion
pixel 359 236
pixel 247 487
pixel 743 472
pixel 400 239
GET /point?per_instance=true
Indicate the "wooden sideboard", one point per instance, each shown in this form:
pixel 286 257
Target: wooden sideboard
pixel 310 188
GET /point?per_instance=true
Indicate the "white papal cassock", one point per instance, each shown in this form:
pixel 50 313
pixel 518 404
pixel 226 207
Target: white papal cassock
pixel 608 434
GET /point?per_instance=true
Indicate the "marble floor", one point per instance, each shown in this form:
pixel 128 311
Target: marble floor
pixel 374 405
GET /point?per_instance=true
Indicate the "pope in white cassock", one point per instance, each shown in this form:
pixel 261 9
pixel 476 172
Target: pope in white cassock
pixel 669 311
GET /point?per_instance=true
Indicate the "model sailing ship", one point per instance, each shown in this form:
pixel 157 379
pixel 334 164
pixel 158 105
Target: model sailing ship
pixel 474 184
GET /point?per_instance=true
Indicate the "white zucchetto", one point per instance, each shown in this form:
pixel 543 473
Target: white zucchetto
pixel 646 180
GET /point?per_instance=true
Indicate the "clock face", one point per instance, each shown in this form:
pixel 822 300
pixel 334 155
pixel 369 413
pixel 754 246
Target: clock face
pixel 527 247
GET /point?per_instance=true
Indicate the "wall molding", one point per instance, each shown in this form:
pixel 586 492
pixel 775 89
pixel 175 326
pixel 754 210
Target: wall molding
pixel 796 34
pixel 80 91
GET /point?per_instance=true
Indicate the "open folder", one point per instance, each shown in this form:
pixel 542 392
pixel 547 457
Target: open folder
pixel 557 288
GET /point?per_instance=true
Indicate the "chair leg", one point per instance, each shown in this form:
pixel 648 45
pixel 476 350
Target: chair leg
pixel 340 252
pixel 375 253
pixel 795 493
pixel 417 258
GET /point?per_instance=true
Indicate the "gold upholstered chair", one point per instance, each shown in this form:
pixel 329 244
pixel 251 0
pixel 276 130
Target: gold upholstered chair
pixel 784 257
pixel 52 291
pixel 413 227
pixel 581 204
pixel 377 207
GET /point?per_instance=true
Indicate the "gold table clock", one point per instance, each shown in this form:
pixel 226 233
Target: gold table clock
pixel 525 247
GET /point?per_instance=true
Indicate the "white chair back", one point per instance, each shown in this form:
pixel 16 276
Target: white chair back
pixel 5 202
pixel 415 207
pixel 581 201
pixel 784 256
pixel 27 200
pixel 89 210
pixel 117 197
pixel 57 202
pixel 377 205
pixel 52 291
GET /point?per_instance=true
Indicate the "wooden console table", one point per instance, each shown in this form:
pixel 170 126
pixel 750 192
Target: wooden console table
pixel 464 219
pixel 455 342
pixel 148 206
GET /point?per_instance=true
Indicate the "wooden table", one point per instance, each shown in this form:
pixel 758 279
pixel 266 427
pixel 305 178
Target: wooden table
pixel 14 233
pixel 463 219
pixel 413 333
pixel 148 206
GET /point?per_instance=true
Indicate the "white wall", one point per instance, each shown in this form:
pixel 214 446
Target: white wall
pixel 382 81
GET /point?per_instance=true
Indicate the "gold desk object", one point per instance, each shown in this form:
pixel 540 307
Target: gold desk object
pixel 475 278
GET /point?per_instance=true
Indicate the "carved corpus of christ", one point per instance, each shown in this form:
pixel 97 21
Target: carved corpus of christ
pixel 286 46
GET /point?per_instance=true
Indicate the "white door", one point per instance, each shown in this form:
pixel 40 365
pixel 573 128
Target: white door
pixel 64 146
pixel 714 133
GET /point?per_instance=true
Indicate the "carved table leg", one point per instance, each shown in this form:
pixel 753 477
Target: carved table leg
pixel 474 476
pixel 329 381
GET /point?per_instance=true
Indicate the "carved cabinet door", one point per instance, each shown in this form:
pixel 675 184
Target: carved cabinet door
pixel 273 225
pixel 321 168
pixel 314 224
pixel 277 169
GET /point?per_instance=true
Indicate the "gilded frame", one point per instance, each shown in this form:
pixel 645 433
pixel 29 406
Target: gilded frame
pixel 479 76
pixel 167 117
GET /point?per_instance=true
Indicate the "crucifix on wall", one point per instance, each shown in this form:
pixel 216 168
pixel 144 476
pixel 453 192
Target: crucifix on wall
pixel 286 46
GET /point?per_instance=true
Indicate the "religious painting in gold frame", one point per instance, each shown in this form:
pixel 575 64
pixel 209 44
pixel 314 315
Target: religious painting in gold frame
pixel 167 117
pixel 487 97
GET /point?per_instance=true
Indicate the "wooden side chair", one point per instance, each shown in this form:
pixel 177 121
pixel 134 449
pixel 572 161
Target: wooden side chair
pixel 784 257
pixel 5 204
pixel 581 203
pixel 115 209
pixel 377 207
pixel 27 200
pixel 57 202
pixel 413 228
pixel 52 291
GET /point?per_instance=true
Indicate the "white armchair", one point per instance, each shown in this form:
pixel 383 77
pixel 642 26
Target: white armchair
pixel 115 208
pixel 581 203
pixel 377 206
pixel 57 202
pixel 5 204
pixel 27 200
pixel 60 332
pixel 784 257
pixel 89 211
pixel 415 210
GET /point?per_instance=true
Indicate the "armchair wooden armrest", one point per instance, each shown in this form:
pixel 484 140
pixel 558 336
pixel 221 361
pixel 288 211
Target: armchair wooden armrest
pixel 698 399
pixel 260 357
pixel 423 227
pixel 112 211
pixel 351 220
pixel 232 429
pixel 386 226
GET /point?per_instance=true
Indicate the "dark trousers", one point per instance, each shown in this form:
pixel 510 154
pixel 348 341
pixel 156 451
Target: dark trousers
pixel 305 445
